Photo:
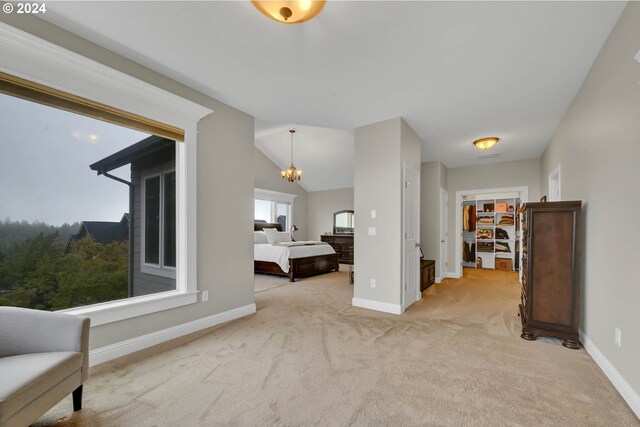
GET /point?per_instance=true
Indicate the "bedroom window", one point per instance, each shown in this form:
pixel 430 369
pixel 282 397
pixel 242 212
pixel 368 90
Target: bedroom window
pixel 159 223
pixel 274 207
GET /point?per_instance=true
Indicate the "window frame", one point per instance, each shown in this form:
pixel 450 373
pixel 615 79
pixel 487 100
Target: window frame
pixel 275 197
pixel 155 269
pixel 73 79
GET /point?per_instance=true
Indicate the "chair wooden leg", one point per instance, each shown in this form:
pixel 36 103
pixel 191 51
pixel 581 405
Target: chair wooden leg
pixel 77 399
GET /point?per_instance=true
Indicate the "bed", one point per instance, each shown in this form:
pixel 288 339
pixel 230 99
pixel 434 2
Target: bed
pixel 292 260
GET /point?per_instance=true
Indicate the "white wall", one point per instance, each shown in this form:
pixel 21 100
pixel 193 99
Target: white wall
pixel 321 206
pixel 597 145
pixel 225 206
pixel 267 177
pixel 522 173
pixel 380 151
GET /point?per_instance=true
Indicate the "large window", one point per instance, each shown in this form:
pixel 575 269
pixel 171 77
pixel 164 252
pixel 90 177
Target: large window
pixel 274 207
pixel 126 101
pixel 64 233
pixel 159 222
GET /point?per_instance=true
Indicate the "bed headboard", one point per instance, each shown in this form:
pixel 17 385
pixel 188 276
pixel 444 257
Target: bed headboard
pixel 259 226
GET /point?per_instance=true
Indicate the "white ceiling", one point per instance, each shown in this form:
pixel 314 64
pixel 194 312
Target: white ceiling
pixel 456 71
pixel 324 155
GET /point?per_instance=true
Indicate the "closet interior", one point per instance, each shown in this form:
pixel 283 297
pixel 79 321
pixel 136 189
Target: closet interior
pixel 491 232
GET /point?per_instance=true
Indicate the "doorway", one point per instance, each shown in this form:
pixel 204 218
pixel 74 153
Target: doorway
pixel 491 197
pixel 411 231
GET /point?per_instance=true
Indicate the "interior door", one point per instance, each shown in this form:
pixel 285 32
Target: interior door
pixel 444 223
pixel 411 215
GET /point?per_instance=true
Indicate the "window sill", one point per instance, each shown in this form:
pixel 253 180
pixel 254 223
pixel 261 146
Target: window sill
pixel 114 311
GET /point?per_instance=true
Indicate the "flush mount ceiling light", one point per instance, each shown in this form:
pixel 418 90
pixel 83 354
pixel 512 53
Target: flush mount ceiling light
pixel 292 174
pixel 290 12
pixel 486 143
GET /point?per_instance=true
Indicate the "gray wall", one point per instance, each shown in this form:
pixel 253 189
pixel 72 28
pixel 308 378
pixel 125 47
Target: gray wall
pixel 320 208
pixel 522 173
pixel 597 145
pixel 377 185
pixel 267 177
pixel 380 150
pixel 433 177
pixel 225 206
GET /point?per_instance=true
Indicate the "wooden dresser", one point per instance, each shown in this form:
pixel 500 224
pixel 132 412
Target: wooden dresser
pixel 342 244
pixel 550 301
pixel 427 273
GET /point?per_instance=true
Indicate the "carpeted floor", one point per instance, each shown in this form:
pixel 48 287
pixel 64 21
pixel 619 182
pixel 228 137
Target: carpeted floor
pixel 308 358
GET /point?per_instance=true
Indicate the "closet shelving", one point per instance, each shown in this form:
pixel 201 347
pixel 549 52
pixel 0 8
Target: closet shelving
pixel 494 236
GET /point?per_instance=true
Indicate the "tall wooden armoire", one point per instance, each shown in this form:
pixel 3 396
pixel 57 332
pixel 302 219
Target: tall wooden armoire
pixel 551 271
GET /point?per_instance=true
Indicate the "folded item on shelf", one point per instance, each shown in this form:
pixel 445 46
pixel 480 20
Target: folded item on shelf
pixel 506 219
pixel 501 233
pixel 485 220
pixel 503 247
pixel 485 247
pixel 484 233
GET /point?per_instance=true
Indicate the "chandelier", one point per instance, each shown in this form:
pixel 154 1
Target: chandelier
pixel 292 174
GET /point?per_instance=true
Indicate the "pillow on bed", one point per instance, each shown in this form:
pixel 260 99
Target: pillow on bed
pixel 275 236
pixel 259 238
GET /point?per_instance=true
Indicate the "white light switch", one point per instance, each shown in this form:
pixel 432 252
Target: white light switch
pixel 205 296
pixel 373 283
pixel 372 231
pixel 373 214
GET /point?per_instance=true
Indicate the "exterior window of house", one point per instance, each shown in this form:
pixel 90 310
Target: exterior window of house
pixel 169 233
pixel 159 219
pixel 152 221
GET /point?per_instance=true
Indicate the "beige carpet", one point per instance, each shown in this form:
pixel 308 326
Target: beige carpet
pixel 309 358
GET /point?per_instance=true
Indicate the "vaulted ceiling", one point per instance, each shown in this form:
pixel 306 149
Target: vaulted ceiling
pixel 456 71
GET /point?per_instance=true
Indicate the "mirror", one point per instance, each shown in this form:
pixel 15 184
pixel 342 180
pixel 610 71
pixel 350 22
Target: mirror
pixel 343 222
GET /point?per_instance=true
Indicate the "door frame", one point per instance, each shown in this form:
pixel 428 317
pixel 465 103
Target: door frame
pixel 407 167
pixel 524 197
pixel 444 227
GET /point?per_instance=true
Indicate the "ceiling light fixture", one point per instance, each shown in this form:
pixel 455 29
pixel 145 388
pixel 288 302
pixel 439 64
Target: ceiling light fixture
pixel 290 12
pixel 486 143
pixel 291 174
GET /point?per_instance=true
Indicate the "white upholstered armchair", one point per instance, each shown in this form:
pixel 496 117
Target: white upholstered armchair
pixel 44 356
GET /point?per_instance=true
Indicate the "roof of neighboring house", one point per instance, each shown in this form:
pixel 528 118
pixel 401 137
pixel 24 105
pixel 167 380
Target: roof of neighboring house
pixel 132 153
pixel 104 232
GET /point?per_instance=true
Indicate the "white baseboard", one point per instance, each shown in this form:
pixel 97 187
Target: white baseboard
pixel 377 305
pixel 438 279
pixel 113 351
pixel 624 388
pixel 451 275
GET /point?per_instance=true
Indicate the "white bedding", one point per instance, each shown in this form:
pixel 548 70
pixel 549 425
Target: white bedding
pixel 280 254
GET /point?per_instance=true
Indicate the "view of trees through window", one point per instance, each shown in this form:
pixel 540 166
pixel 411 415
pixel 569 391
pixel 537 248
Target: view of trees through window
pixel 64 222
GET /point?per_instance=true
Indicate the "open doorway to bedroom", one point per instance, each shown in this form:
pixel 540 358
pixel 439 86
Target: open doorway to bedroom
pixel 284 254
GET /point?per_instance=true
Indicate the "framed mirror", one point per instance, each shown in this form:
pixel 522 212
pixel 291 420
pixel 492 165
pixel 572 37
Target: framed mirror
pixel 343 222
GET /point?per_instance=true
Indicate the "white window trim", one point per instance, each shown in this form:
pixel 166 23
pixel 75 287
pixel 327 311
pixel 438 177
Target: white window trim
pixel 155 269
pixel 29 57
pixel 275 197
